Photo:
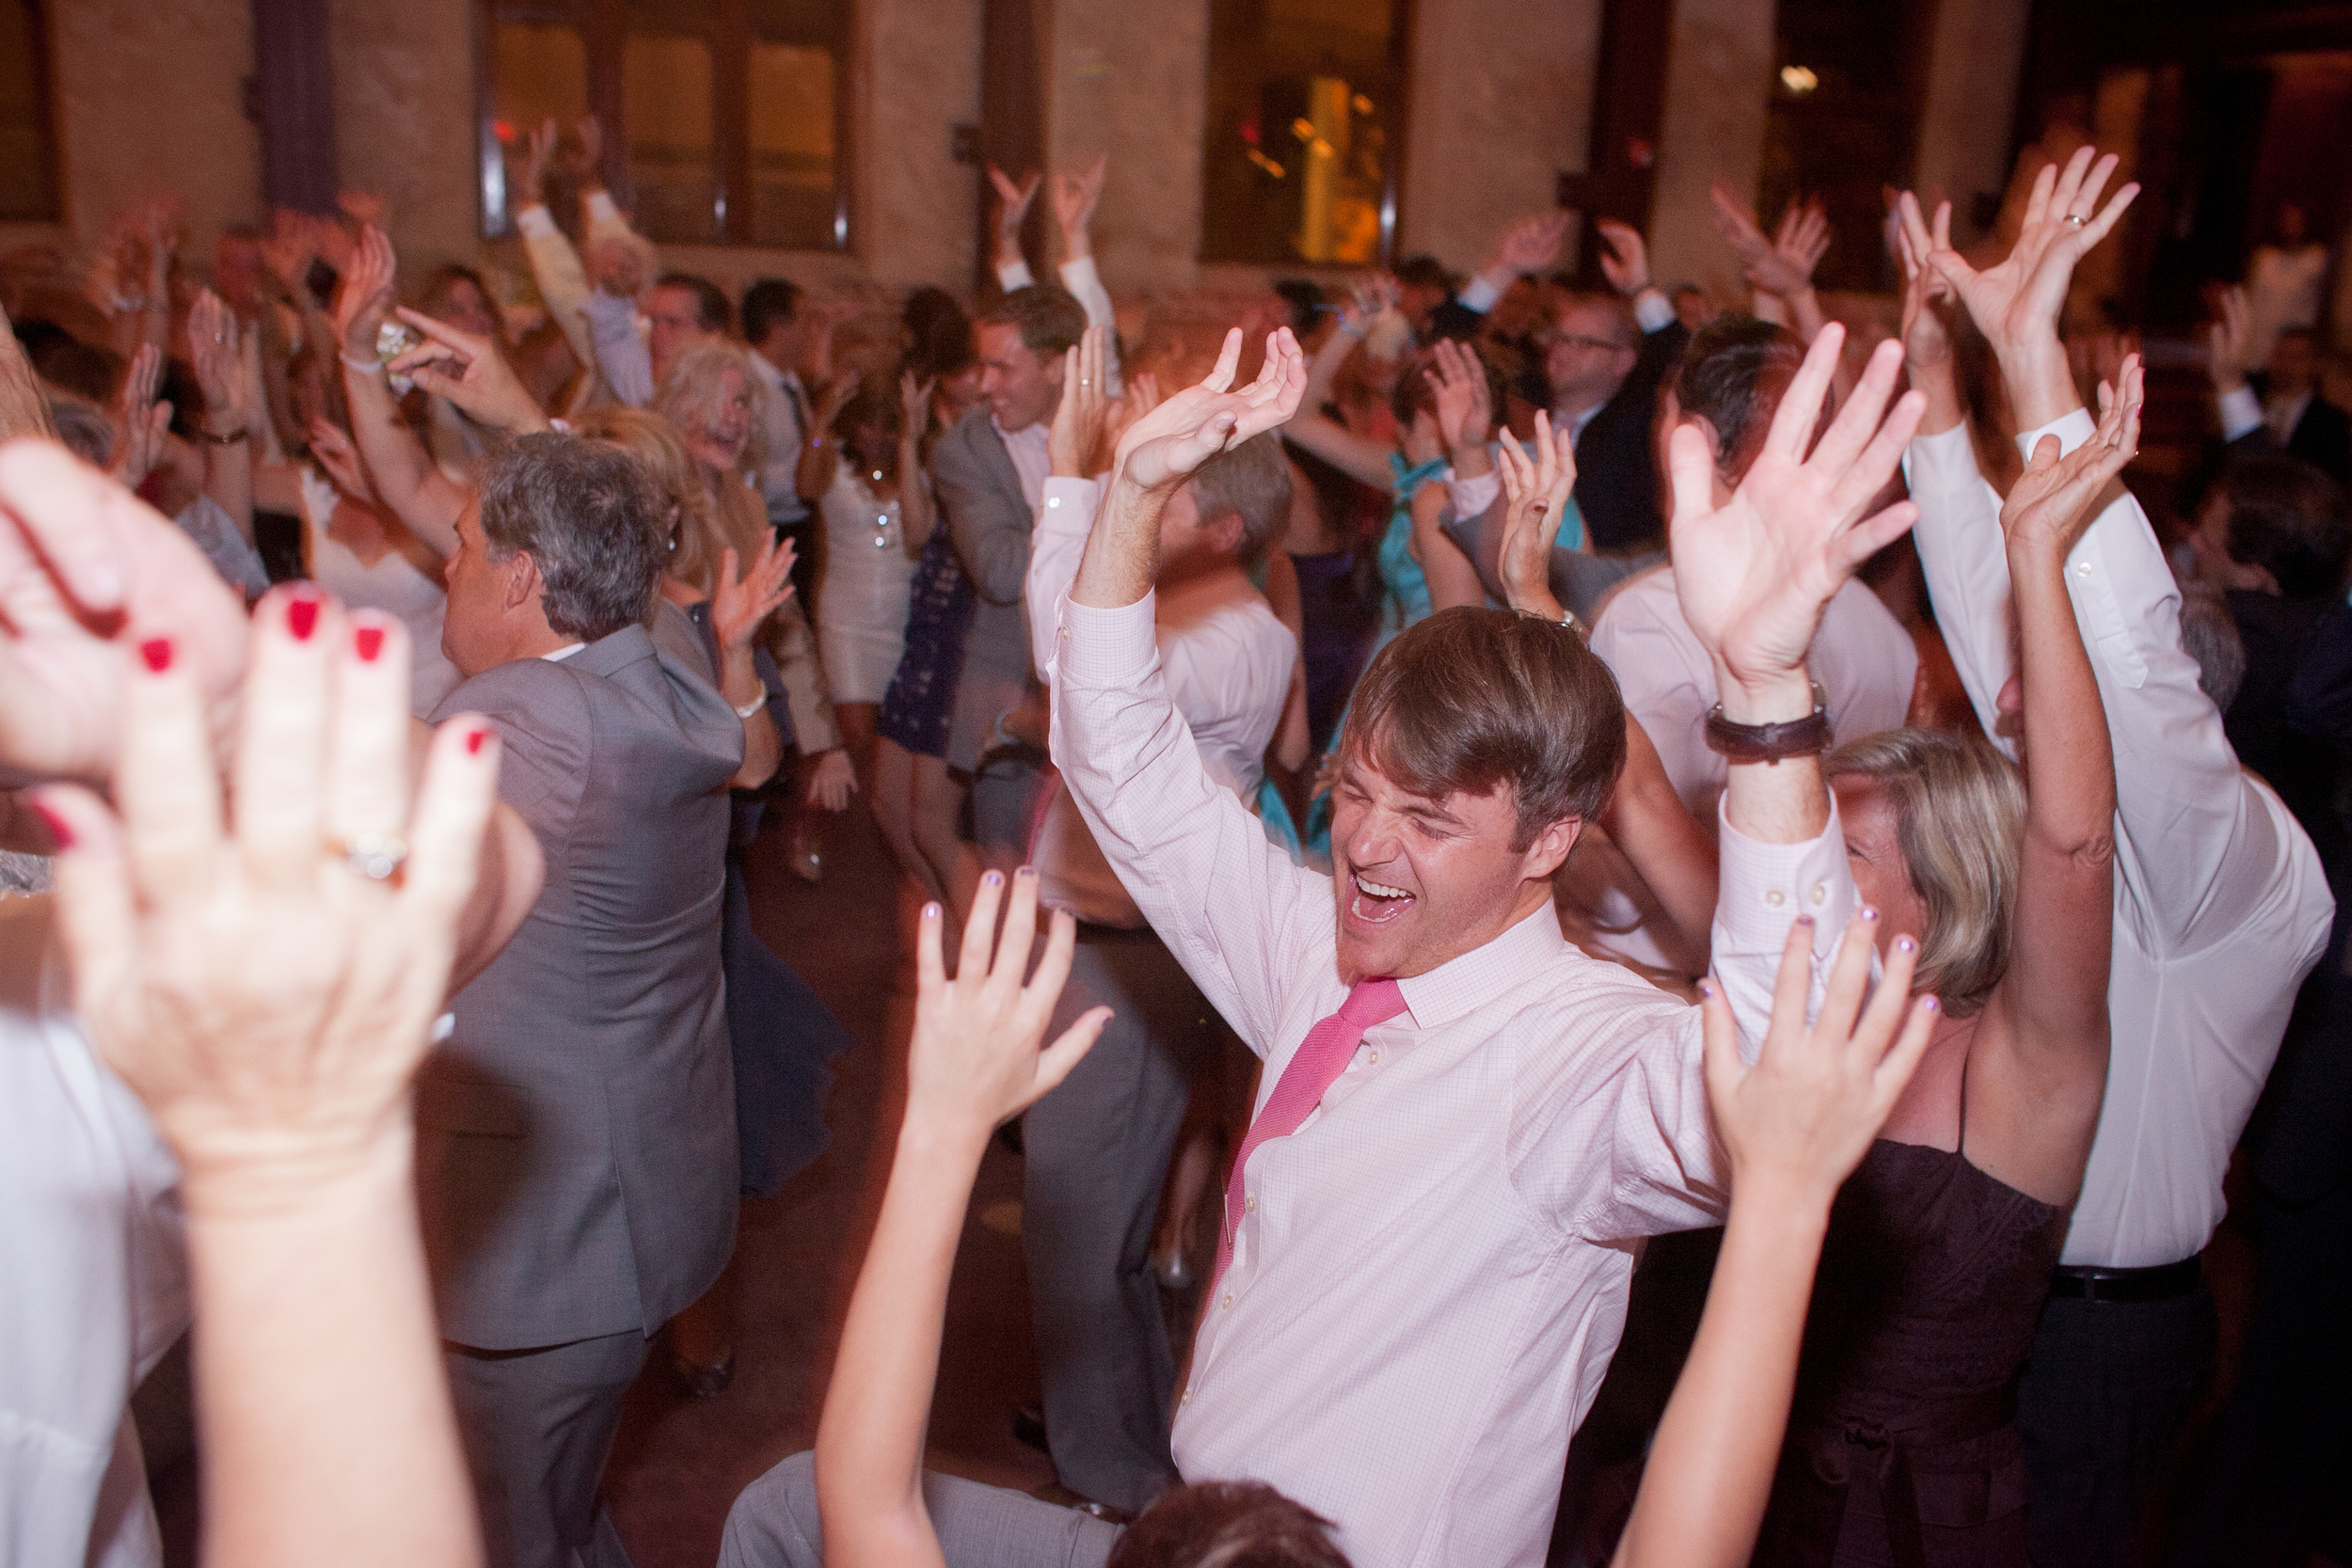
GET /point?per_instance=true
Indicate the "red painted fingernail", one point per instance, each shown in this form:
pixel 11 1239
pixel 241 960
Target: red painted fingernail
pixel 62 834
pixel 302 616
pixel 369 641
pixel 473 742
pixel 157 652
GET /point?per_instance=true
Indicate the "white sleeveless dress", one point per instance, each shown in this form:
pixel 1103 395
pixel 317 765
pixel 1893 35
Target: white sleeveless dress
pixel 393 585
pixel 862 605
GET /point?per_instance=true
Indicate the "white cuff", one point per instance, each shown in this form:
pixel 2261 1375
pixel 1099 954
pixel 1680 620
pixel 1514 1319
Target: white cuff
pixel 1107 647
pixel 1480 294
pixel 2241 412
pixel 600 207
pixel 2072 430
pixel 1764 886
pixel 1068 505
pixel 1653 310
pixel 1472 497
pixel 535 222
pixel 1015 275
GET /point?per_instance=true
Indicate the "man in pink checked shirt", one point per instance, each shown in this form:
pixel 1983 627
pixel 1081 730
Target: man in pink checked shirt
pixel 1465 1125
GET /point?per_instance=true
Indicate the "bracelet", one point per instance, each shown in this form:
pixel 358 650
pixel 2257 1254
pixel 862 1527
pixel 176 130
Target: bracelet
pixel 1808 737
pixel 376 365
pixel 1352 329
pixel 240 434
pixel 753 707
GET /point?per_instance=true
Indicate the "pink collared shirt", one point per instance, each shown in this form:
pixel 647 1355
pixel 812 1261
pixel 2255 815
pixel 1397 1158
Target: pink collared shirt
pixel 1430 1275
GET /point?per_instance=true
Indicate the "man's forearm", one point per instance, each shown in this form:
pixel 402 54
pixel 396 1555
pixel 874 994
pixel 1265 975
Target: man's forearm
pixel 1122 554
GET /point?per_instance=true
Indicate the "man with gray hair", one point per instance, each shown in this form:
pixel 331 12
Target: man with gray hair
pixel 576 1136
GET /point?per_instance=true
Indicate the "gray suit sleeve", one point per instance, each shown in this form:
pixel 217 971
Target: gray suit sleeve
pixel 990 535
pixel 543 727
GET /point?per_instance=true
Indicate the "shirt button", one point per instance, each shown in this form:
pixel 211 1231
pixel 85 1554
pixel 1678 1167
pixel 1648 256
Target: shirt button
pixel 1373 1056
pixel 1187 1399
pixel 2082 568
pixel 1773 897
pixel 1227 1303
pixel 1053 501
pixel 1820 893
pixel 1249 1204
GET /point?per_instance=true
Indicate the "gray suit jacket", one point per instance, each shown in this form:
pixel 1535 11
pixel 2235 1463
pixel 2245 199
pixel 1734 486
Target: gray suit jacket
pixel 989 521
pixel 576 1136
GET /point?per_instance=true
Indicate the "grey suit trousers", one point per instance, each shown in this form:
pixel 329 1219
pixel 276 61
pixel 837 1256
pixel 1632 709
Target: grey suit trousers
pixel 537 1426
pixel 1097 1152
pixel 773 1524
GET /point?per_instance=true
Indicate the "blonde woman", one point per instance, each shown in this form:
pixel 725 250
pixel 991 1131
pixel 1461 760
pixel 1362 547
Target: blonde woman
pixel 713 399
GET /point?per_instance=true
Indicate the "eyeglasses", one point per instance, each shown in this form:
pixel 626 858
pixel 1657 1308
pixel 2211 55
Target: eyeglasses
pixel 1576 339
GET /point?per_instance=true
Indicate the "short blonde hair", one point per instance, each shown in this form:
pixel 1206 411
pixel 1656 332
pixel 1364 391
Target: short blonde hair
pixel 1960 821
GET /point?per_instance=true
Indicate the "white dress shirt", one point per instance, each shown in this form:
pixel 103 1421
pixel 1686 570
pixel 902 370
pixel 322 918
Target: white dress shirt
pixel 2220 906
pixel 1862 658
pixel 1226 659
pixel 1430 1275
pixel 779 416
pixel 95 1279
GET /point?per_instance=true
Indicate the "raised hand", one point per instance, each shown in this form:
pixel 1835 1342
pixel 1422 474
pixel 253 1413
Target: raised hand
pixel 914 403
pixel 2054 501
pixel 1165 446
pixel 365 209
pixel 1536 493
pixel 1531 243
pixel 583 155
pixel 1756 573
pixel 1801 242
pixel 975 1061
pixel 1140 393
pixel 531 182
pixel 264 987
pixel 23 407
pixel 1928 303
pixel 1465 414
pixel 1798 1122
pixel 2016 303
pixel 88 574
pixel 1075 196
pixel 341 459
pixel 2231 331
pixel 141 422
pixel 739 605
pixel 470 372
pixel 217 355
pixel 1624 258
pixel 1012 210
pixel 288 250
pixel 364 298
pixel 1083 417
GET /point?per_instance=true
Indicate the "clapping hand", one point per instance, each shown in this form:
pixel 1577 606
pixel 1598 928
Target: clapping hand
pixel 738 605
pixel 1756 573
pixel 1083 417
pixel 2053 502
pixel 1160 449
pixel 1799 1121
pixel 141 422
pixel 1537 496
pixel 262 982
pixel 975 1061
pixel 470 372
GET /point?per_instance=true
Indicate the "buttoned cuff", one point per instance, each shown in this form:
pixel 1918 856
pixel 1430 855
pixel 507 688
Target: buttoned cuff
pixel 1107 647
pixel 535 222
pixel 1015 275
pixel 1654 310
pixel 2072 430
pixel 1764 886
pixel 1068 505
pixel 2241 413
pixel 1478 294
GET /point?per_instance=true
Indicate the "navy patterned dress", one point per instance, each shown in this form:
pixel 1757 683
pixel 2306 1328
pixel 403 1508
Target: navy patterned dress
pixel 922 696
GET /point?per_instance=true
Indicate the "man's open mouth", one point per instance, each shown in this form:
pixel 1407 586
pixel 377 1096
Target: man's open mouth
pixel 1376 903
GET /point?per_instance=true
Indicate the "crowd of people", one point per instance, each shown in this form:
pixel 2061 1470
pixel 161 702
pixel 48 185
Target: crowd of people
pixel 1671 912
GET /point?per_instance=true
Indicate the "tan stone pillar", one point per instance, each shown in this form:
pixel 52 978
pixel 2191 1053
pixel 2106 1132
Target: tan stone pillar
pixel 1973 65
pixel 1719 77
pixel 1132 79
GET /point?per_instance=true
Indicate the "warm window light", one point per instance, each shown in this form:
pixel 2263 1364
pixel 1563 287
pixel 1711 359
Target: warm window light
pixel 1797 80
pixel 1363 104
pixel 1303 128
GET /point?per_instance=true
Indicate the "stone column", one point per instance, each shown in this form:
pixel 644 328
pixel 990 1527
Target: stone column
pixel 1966 124
pixel 1132 80
pixel 1719 77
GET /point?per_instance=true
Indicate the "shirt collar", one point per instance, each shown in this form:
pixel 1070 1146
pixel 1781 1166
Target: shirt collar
pixel 560 654
pixel 1453 988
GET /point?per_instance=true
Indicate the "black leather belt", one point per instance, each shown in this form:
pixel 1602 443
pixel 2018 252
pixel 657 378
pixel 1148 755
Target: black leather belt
pixel 2165 1282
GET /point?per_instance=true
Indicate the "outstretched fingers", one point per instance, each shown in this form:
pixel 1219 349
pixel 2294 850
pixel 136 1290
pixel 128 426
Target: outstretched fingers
pixel 1801 406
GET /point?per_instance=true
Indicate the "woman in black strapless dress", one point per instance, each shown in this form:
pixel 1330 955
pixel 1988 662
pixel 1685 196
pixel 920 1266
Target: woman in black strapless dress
pixel 1902 1447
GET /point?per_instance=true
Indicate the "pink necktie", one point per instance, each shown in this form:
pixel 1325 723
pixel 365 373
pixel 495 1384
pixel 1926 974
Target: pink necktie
pixel 1322 1057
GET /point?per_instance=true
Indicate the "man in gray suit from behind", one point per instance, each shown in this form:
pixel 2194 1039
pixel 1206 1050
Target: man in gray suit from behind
pixel 576 1135
pixel 990 471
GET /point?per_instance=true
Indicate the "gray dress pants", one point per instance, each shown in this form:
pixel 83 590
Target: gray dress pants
pixel 1096 1155
pixel 773 1524
pixel 537 1426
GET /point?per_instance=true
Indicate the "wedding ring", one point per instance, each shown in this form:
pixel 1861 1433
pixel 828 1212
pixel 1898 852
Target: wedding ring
pixel 378 857
pixel 2077 219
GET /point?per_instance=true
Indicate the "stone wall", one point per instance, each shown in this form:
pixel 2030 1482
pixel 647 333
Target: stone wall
pixel 1719 77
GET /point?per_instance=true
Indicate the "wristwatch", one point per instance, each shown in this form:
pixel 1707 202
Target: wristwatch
pixel 1769 743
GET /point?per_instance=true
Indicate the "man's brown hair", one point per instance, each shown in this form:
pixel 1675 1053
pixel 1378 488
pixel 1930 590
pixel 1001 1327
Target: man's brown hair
pixel 1473 698
pixel 1050 320
pixel 1227 1524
